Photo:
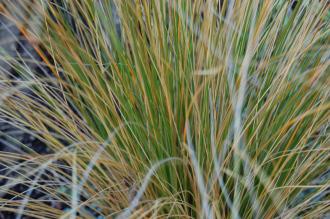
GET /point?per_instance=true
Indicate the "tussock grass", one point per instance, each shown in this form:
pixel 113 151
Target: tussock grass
pixel 183 109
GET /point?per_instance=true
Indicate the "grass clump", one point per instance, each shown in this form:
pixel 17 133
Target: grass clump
pixel 183 109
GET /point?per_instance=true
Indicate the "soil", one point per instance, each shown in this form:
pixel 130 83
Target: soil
pixel 13 44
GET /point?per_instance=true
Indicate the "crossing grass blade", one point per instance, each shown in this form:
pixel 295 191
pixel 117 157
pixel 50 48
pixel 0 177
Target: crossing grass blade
pixel 251 78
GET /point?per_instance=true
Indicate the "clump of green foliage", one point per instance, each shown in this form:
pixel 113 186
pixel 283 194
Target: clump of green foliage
pixel 174 108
